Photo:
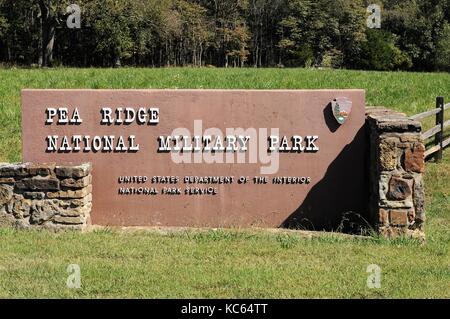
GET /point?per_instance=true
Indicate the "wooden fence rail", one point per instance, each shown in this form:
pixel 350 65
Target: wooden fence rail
pixel 436 131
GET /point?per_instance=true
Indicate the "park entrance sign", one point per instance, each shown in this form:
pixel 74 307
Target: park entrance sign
pixel 207 157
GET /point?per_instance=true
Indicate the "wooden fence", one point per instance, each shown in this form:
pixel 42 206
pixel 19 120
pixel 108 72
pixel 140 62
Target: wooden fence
pixel 437 131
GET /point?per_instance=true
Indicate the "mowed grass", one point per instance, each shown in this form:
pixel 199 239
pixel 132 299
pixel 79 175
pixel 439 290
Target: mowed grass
pixel 228 263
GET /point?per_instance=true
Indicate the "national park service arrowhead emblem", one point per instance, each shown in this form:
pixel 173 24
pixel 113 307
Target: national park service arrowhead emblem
pixel 342 107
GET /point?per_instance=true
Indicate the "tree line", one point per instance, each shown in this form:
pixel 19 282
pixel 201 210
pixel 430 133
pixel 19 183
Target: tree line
pixel 414 34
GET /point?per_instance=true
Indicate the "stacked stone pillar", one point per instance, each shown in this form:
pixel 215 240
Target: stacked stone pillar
pixel 396 164
pixel 45 196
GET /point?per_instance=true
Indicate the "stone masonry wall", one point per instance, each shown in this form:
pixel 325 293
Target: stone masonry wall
pixel 45 196
pixel 396 166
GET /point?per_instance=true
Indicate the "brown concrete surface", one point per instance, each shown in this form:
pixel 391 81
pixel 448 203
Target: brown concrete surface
pixel 336 170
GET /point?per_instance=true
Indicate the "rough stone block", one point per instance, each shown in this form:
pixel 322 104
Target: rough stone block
pixel 388 155
pixel 419 199
pixel 40 216
pixel 76 183
pixel 67 194
pixel 38 183
pixel 398 217
pixel 390 121
pixel 387 204
pixel 41 169
pixel 20 207
pixel 73 171
pixel 383 217
pixel 75 220
pixel 7 180
pixel 404 146
pixel 74 212
pixel 411 216
pixel 75 204
pixel 7 220
pixel 409 138
pixel 383 185
pixel 12 170
pixel 6 194
pixel 34 195
pixel 81 201
pixel 43 211
pixel 399 188
pixel 414 158
pixel 399 126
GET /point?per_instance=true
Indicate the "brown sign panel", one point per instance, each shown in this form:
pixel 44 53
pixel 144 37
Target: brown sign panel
pixel 206 157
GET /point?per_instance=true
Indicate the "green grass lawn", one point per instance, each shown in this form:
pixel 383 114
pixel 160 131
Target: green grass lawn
pixel 228 263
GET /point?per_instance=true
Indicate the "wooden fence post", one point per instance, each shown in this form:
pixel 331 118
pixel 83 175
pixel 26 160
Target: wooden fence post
pixel 439 137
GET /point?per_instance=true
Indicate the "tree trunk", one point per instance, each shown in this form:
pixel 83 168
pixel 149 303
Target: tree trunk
pixel 40 46
pixel 48 30
pixel 200 56
pixel 49 44
pixel 117 62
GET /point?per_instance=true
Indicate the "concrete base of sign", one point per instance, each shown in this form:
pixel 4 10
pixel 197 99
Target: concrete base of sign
pixel 45 196
pixel 166 230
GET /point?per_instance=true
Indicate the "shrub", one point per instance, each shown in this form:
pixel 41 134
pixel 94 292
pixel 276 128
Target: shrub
pixel 443 50
pixel 332 59
pixel 380 52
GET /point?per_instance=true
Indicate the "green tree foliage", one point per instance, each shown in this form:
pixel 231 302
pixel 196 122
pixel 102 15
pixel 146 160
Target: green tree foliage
pixel 227 33
pixel 3 27
pixel 111 22
pixel 417 25
pixel 379 52
pixel 443 50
